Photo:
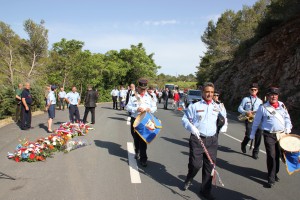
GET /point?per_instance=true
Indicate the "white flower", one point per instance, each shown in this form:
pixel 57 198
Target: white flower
pixel 54 143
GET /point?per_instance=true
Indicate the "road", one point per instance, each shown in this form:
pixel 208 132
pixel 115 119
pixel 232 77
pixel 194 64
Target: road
pixel 101 170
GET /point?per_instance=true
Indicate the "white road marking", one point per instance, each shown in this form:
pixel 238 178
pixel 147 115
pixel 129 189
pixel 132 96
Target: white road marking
pixel 240 141
pixel 133 168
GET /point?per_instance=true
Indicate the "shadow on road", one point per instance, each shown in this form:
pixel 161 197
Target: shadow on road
pixel 219 192
pixel 159 173
pixel 5 176
pixel 113 148
pixel 117 118
pixel 250 173
pixel 185 153
pixel 43 126
pixel 229 150
pixel 179 142
pixel 58 123
pixel 109 108
pixel 123 114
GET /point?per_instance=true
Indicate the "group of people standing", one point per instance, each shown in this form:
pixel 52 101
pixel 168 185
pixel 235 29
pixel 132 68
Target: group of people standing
pixel 72 99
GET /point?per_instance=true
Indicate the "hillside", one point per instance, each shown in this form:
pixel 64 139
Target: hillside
pixel 272 61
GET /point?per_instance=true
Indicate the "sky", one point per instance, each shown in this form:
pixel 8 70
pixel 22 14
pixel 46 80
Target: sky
pixel 171 29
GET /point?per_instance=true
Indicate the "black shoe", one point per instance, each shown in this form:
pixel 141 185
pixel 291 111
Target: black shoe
pixel 277 179
pixel 255 156
pixel 243 148
pixel 207 196
pixel 187 184
pixel 270 184
pixel 144 163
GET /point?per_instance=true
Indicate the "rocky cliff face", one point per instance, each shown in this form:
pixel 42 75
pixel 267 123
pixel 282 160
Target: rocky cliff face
pixel 272 61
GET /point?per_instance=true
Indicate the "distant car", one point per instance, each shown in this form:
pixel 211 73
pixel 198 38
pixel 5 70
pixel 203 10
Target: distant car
pixel 192 96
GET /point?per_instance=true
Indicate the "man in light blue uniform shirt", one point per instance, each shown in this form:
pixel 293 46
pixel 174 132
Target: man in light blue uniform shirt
pixel 200 120
pixel 275 121
pixel 139 102
pixel 51 104
pixel 73 99
pixel 248 107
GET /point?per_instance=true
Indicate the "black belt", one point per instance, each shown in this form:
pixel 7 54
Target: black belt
pixel 72 105
pixel 207 136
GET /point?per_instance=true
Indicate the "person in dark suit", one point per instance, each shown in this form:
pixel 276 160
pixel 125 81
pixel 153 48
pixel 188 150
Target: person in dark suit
pixel 90 104
pixel 26 107
pixel 166 95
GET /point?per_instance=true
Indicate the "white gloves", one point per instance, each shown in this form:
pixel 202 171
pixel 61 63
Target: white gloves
pixel 195 132
pixel 223 129
pixel 287 131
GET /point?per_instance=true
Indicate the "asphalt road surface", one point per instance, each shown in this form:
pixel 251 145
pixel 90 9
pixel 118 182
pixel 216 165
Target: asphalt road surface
pixel 106 169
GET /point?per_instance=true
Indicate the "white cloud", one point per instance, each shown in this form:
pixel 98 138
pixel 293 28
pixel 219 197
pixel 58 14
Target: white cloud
pixel 160 22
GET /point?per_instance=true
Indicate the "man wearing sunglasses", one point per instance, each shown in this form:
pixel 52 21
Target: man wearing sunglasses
pixel 248 107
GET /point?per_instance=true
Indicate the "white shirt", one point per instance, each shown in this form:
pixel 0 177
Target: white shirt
pixel 114 92
pixel 62 94
pixel 137 101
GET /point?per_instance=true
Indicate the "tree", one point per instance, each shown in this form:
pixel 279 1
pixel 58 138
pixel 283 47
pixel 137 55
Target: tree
pixel 36 46
pixel 9 53
pixel 64 56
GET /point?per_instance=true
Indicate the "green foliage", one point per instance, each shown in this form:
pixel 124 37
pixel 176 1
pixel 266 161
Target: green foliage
pixel 228 37
pixel 35 48
pixel 37 92
pixel 277 12
pixel 104 95
pixel 7 102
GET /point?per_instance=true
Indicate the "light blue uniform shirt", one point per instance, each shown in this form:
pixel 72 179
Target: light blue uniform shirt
pixel 51 98
pixel 137 101
pixel 203 116
pixel 73 97
pixel 269 122
pixel 247 102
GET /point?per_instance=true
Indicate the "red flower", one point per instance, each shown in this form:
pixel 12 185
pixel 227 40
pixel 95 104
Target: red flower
pixel 17 159
pixel 32 156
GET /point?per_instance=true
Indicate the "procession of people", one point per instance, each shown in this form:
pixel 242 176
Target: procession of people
pixel 201 119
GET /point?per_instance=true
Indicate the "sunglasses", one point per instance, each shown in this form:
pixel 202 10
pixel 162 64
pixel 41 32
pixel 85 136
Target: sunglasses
pixel 253 89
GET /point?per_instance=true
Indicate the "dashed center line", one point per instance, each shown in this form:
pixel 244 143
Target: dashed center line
pixel 240 141
pixel 133 168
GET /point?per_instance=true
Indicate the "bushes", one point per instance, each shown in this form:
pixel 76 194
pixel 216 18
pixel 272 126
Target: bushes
pixel 7 103
pixel 104 95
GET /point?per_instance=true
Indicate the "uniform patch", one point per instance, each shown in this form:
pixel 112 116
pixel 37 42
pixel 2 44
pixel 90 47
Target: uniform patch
pixel 199 110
